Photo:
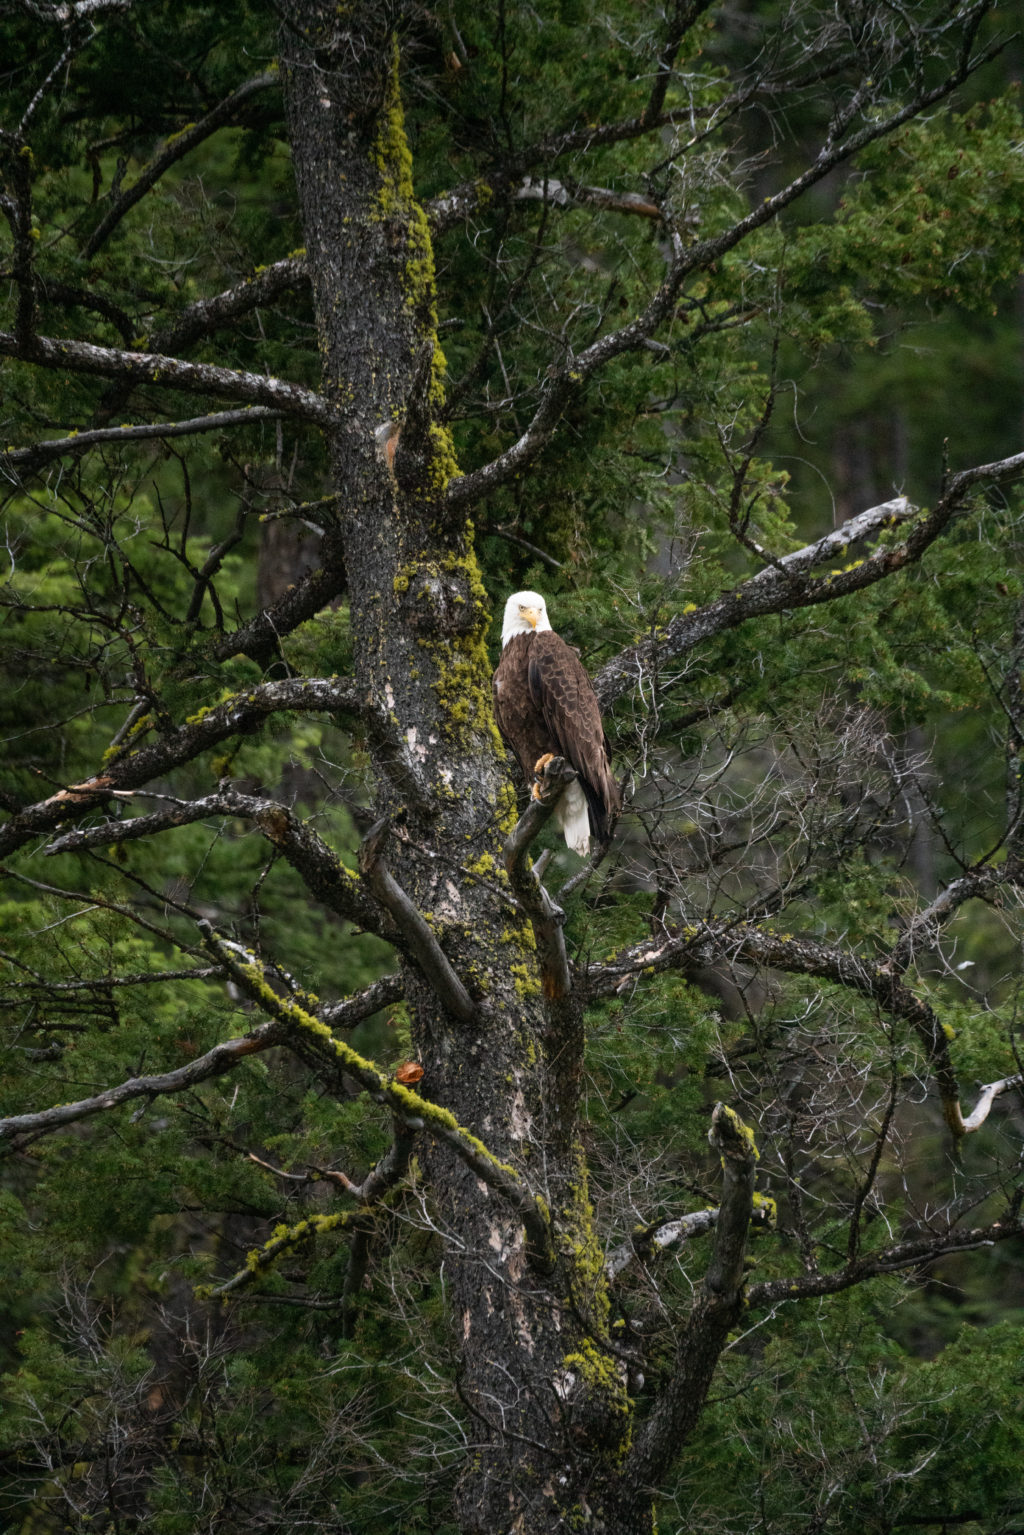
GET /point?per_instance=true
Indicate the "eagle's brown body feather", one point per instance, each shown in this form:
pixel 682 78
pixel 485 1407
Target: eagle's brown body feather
pixel 544 702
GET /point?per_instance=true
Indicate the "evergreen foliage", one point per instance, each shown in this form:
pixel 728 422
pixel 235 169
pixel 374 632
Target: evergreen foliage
pixel 236 641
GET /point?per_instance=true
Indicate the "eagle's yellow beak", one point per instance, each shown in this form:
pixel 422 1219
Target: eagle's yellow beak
pixel 532 616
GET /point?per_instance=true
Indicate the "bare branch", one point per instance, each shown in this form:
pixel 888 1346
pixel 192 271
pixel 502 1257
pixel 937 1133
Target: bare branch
pixel 169 373
pixel 414 931
pixel 207 315
pixel 785 585
pixel 260 638
pixel 545 916
pixel 308 1034
pixel 922 931
pixel 352 1010
pixel 80 442
pixel 678 23
pixel 569 195
pixel 137 767
pixel 178 145
pixel 666 1234
pixel 41 984
pixel 715 1309
pixel 378 1183
pixel 887 1260
pixel 323 872
pixel 21 1128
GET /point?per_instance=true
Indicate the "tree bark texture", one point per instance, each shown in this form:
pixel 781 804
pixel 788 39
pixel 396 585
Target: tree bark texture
pixel 545 1393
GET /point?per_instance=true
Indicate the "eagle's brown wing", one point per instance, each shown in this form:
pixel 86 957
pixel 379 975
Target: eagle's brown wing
pixel 564 697
pixel 518 717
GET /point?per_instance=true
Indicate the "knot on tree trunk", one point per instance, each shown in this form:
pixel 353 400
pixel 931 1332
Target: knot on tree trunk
pixel 440 599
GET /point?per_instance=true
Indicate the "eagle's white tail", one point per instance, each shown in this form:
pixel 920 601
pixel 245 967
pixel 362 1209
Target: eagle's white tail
pixel 574 819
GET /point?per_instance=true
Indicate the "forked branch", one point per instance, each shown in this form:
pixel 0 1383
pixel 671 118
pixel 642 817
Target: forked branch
pixel 309 1036
pixel 714 1312
pixel 546 918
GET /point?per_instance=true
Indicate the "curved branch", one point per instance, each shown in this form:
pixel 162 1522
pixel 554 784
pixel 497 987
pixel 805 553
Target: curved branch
pixel 135 768
pixel 352 1010
pixel 70 297
pixel 784 584
pixel 888 1260
pixel 178 145
pixel 21 1128
pixel 78 443
pixel 169 373
pixel 879 980
pixel 322 871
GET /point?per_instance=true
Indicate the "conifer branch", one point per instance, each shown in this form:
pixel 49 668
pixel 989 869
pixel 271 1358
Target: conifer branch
pixel 567 379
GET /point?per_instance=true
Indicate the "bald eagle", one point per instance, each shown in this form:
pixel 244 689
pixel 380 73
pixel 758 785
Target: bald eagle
pixel 546 707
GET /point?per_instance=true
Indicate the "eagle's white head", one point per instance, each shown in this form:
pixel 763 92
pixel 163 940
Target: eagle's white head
pixel 525 612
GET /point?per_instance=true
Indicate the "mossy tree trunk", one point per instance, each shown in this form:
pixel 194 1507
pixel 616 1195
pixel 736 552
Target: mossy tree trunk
pixel 544 1390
